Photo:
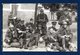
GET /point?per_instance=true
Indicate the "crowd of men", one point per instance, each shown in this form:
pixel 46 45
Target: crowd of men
pixel 27 35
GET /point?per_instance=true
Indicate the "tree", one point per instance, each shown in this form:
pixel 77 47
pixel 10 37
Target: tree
pixel 52 6
pixel 35 14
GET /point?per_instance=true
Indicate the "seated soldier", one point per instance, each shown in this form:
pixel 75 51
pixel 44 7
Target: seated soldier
pixel 40 31
pixel 10 38
pixel 31 24
pixel 51 37
pixel 9 35
pixel 21 33
pixel 30 38
pixel 64 36
pixel 53 26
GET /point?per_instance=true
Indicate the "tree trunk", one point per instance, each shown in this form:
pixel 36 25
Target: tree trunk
pixel 36 6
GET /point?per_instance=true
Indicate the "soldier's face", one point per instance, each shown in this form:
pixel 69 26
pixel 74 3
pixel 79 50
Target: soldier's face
pixel 41 12
pixel 53 25
pixel 65 26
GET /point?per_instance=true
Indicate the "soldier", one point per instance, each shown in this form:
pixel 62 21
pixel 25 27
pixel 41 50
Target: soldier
pixel 66 17
pixel 30 25
pixel 52 38
pixel 53 26
pixel 64 36
pixel 21 33
pixel 59 14
pixel 10 38
pixel 9 35
pixel 39 33
pixel 42 20
pixel 31 38
pixel 10 18
pixel 28 37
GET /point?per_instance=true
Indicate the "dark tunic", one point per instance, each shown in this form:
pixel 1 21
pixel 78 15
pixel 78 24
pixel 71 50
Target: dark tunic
pixel 62 32
pixel 64 17
pixel 22 28
pixel 32 27
pixel 41 19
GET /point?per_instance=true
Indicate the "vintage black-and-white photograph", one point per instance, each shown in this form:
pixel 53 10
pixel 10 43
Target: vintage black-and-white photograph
pixel 39 27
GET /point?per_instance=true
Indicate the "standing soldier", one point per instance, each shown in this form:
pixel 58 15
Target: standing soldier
pixel 10 18
pixel 42 19
pixel 65 17
pixel 59 14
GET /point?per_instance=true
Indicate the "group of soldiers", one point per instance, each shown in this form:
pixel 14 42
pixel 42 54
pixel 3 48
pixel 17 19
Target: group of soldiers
pixel 27 35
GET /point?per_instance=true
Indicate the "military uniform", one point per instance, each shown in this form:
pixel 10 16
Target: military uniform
pixel 28 39
pixel 31 27
pixel 13 21
pixel 51 37
pixel 59 14
pixel 64 37
pixel 21 33
pixel 67 18
pixel 42 20
pixel 31 38
pixel 10 36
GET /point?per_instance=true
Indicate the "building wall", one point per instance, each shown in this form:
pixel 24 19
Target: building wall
pixel 25 12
